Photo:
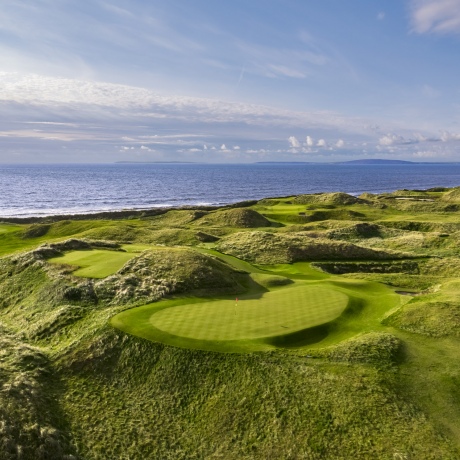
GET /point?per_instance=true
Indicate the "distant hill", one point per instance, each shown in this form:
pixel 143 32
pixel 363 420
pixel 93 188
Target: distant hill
pixel 355 162
pixel 377 161
pixel 152 162
pixel 286 162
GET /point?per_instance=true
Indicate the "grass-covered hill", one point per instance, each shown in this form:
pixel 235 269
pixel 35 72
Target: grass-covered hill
pixel 290 377
pixel 272 248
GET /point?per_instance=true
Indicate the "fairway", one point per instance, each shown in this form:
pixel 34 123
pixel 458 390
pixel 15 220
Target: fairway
pixel 96 263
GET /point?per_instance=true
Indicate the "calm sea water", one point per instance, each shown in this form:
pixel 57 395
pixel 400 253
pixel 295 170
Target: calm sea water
pixel 38 190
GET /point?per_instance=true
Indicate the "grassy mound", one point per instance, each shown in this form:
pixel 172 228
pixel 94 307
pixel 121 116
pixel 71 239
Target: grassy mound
pixel 121 233
pixel 359 231
pixel 405 193
pixel 452 196
pixel 238 218
pixel 36 230
pixel 433 319
pixel 271 248
pixel 206 237
pixel 177 218
pixel 335 214
pixel 336 198
pixel 157 273
pixel 378 348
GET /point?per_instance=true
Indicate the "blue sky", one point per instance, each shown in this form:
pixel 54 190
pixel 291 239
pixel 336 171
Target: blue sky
pixel 220 81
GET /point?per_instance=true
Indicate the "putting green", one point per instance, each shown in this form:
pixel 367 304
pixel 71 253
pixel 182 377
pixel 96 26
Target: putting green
pixel 96 263
pixel 226 325
pixel 275 313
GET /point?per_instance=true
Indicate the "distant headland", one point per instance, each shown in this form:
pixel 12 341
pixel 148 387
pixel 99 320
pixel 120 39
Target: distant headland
pixel 376 161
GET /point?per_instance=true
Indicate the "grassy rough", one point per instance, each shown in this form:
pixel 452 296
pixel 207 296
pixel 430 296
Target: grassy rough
pixel 271 248
pixel 433 319
pixel 157 273
pixel 452 195
pixel 336 198
pixel 378 348
pixel 339 268
pixel 162 402
pixel 31 420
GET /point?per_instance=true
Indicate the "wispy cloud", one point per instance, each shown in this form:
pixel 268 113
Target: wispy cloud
pixel 51 114
pixel 435 16
pixel 275 62
pixel 89 99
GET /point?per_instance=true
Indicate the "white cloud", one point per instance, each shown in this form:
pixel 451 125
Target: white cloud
pixel 394 139
pixel 321 143
pixel 340 143
pixel 309 141
pixel 236 147
pixel 446 136
pixel 294 142
pixel 381 16
pixel 223 147
pixel 435 16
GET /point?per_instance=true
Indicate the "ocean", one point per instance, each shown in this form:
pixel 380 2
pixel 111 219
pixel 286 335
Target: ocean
pixel 41 190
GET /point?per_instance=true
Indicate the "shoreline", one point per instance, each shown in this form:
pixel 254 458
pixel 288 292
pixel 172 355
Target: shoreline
pixel 122 213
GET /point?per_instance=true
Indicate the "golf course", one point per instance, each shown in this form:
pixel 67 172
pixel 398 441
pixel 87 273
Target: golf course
pixel 322 326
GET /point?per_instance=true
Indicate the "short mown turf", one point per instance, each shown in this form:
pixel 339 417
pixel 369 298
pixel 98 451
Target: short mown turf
pixel 95 263
pixel 252 323
pixel 275 313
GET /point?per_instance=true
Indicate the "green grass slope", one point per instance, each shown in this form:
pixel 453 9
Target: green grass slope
pixel 273 248
pixel 162 402
pixel 94 263
pixel 238 217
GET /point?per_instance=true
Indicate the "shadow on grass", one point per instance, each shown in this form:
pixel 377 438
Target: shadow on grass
pixel 300 338
pixel 316 334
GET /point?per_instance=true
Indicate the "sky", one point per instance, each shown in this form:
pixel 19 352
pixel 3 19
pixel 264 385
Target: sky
pixel 229 81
